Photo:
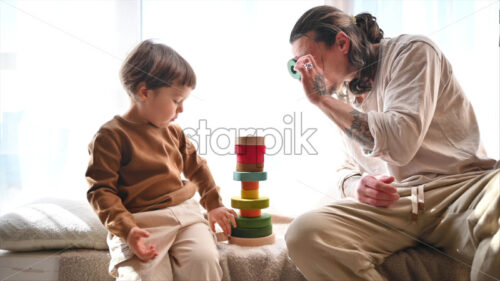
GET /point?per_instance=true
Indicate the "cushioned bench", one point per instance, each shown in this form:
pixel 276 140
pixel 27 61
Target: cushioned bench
pixel 80 227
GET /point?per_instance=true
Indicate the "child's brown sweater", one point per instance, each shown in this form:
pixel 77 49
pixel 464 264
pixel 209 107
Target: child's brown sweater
pixel 137 167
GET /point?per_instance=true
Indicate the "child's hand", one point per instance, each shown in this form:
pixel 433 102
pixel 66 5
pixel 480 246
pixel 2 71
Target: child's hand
pixel 221 216
pixel 135 242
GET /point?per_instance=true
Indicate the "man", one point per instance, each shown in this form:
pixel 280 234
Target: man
pixel 415 170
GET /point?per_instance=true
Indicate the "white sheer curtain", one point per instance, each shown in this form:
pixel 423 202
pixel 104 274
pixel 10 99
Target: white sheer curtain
pixel 59 82
pixel 239 51
pixel 59 72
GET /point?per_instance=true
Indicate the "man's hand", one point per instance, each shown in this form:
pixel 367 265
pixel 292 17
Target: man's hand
pixel 312 79
pixel 136 244
pixel 376 190
pixel 222 216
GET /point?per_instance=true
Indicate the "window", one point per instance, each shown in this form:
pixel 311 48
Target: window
pixel 239 51
pixel 59 82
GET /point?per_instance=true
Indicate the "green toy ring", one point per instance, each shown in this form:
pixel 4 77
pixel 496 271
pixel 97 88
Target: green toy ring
pixel 252 232
pixel 257 222
pixel 294 73
pixel 249 204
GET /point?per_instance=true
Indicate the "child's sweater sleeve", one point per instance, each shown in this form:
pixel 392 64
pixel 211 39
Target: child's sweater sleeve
pixel 102 176
pixel 196 170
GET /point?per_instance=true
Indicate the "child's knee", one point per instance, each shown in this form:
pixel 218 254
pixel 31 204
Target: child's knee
pixel 202 264
pixel 205 256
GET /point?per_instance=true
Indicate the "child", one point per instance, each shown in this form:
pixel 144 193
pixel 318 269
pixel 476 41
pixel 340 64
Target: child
pixel 156 230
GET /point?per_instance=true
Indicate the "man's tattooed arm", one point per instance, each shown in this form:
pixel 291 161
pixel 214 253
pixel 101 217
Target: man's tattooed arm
pixel 359 131
pixel 319 85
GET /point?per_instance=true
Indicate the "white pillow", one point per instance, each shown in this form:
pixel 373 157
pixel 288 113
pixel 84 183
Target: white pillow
pixel 52 224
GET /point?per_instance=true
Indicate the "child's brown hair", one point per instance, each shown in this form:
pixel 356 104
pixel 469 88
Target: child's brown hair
pixel 157 65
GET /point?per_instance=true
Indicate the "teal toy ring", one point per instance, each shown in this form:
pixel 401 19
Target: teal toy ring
pixel 249 176
pixel 294 73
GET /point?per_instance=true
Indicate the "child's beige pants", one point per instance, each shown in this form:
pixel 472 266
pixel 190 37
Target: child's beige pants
pixel 184 242
pixel 347 240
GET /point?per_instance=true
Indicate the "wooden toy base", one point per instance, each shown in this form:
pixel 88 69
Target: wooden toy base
pixel 252 242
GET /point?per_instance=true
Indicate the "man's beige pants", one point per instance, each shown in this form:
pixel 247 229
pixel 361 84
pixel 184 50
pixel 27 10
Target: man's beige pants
pixel 347 240
pixel 184 242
